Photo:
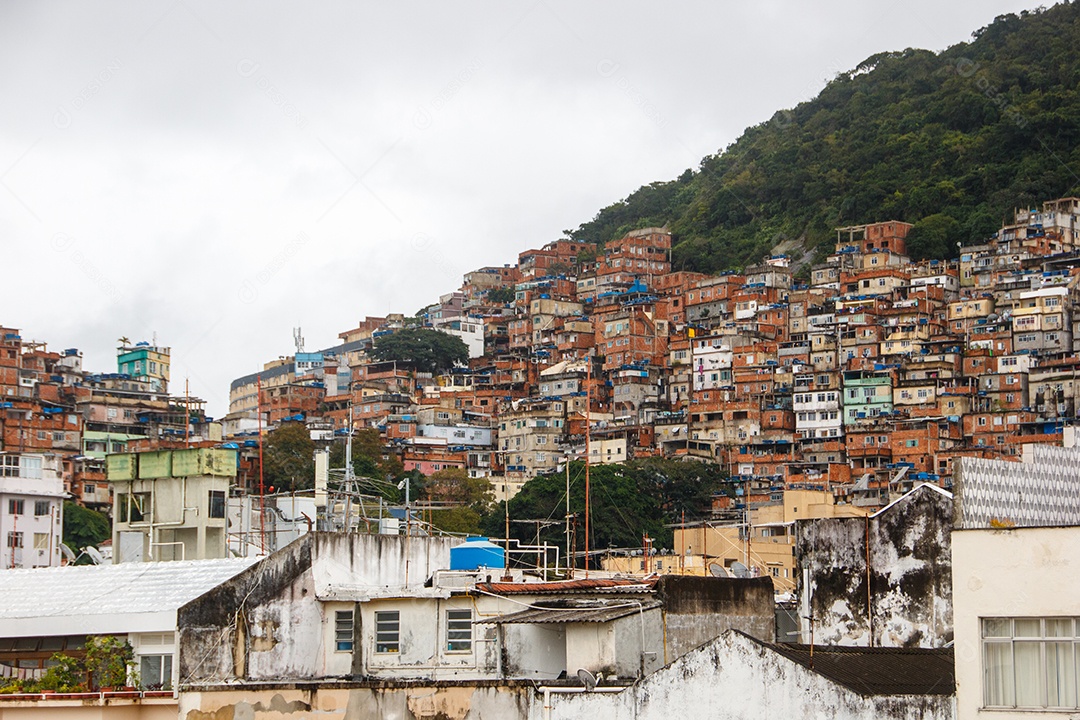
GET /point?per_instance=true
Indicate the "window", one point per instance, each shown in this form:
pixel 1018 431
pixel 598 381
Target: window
pixel 41 541
pixel 14 539
pixel 217 503
pixel 155 672
pixel 140 506
pixel 9 466
pixel 121 506
pixel 343 631
pixel 459 630
pixel 41 507
pixel 1030 662
pixel 15 507
pixel 387 631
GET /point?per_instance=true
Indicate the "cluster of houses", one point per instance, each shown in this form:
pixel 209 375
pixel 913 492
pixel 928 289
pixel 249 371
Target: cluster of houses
pixel 862 374
pixel 902 544
pixel 939 605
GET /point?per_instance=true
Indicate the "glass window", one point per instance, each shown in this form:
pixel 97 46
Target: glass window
pixel 41 507
pixel 459 630
pixel 15 507
pixel 387 631
pixel 217 503
pixel 343 631
pixel 155 672
pixel 1030 662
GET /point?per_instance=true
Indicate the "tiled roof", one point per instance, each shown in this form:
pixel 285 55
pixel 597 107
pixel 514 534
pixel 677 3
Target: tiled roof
pixel 601 585
pixel 878 671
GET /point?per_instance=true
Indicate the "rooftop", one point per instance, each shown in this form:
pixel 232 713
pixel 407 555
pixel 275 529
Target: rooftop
pixel 878 671
pixel 98 599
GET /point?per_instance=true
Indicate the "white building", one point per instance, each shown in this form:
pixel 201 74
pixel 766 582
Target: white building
pixel 54 610
pixel 1016 580
pixel 818 414
pixel 469 329
pixel 31 510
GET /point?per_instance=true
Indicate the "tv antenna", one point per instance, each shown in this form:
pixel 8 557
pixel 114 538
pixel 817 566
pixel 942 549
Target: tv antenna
pixel 298 339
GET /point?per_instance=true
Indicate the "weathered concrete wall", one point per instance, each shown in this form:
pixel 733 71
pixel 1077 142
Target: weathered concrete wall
pixel 392 702
pixel 257 612
pixel 534 651
pixel 354 562
pixel 734 678
pixel 910 574
pixel 731 678
pixel 275 621
pixel 700 609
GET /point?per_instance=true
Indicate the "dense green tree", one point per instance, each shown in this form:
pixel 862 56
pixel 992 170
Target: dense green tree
pixel 501 295
pixel 83 526
pixel 627 500
pixel 289 458
pixel 934 237
pixel 473 497
pixel 425 349
pixel 371 458
pixel 968 133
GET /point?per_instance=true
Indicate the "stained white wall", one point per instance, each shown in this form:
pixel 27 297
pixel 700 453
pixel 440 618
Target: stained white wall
pixel 1020 572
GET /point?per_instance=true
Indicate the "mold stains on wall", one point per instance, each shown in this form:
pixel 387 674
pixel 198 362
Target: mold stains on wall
pixel 909 601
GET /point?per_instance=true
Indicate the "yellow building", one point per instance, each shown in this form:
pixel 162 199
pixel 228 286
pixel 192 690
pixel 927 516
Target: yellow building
pixel 769 549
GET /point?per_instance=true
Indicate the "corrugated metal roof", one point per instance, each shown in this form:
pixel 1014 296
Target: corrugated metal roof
pixel 598 585
pixel 595 614
pixel 879 671
pixel 106 590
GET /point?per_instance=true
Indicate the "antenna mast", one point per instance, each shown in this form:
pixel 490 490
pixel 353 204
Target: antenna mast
pixel 588 408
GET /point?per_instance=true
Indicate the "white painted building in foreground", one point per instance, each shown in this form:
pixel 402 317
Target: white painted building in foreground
pixel 31 510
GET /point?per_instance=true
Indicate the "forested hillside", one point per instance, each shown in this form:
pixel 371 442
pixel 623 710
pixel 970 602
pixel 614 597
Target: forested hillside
pixel 950 141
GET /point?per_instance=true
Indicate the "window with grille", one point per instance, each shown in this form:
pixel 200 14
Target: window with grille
pixel 343 631
pixel 459 630
pixel 388 631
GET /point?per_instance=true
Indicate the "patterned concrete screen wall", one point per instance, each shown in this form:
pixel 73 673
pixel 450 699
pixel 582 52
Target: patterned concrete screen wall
pixel 1041 491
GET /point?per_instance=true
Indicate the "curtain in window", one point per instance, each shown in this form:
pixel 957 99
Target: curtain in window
pixel 1028 674
pixel 1060 675
pixel 999 674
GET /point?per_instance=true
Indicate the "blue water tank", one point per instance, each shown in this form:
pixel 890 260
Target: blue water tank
pixel 475 553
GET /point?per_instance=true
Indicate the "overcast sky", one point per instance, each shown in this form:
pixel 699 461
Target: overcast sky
pixel 218 173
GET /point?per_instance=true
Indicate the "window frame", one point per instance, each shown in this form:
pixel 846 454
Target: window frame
pixel 384 645
pixel 1005 634
pixel 344 627
pixel 457 619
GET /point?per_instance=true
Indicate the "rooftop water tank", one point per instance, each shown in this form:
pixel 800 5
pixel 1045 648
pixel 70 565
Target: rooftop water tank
pixel 475 553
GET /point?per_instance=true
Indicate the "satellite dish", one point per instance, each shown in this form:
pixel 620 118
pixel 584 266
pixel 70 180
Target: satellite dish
pixel 717 570
pixel 739 570
pixel 589 680
pixel 95 555
pixel 68 553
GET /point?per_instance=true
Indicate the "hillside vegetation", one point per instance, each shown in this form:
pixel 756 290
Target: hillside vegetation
pixel 951 141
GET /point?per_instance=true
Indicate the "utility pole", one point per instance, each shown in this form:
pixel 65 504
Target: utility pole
pixel 569 561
